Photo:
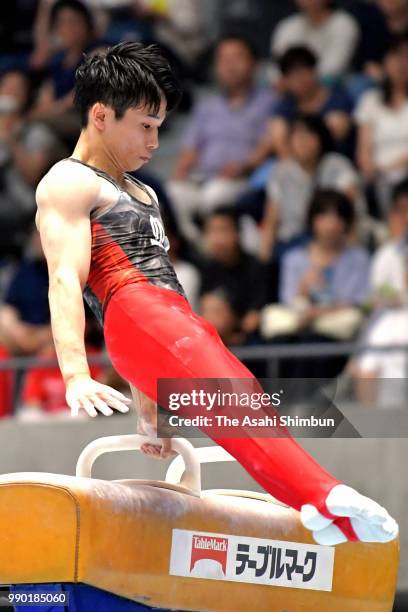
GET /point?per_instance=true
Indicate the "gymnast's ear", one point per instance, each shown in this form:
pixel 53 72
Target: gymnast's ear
pixel 98 115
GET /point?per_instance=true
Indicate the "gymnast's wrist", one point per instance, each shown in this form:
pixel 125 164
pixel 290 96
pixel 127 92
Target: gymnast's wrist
pixel 69 378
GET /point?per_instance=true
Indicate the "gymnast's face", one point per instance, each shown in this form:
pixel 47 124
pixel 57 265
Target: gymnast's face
pixel 129 140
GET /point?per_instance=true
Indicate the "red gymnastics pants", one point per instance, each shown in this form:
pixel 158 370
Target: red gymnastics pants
pixel 153 333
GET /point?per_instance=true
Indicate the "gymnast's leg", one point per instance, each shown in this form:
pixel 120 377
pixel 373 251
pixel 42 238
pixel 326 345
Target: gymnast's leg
pixel 152 333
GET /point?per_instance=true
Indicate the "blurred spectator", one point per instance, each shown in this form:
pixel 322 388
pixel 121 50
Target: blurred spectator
pixel 24 316
pixel 129 21
pixel 382 116
pixel 395 13
pixel 328 273
pixel 27 150
pixel 217 310
pixel 305 94
pixel 148 22
pixel 178 24
pixel 224 130
pixel 311 164
pixel 234 277
pixel 331 33
pixel 182 27
pixel 322 287
pixel 72 24
pixel 381 376
pixel 380 21
pixel 17 35
pixel 389 267
pixel 43 390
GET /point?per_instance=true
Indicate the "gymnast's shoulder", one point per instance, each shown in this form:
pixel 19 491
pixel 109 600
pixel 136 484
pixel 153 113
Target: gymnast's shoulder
pixel 68 185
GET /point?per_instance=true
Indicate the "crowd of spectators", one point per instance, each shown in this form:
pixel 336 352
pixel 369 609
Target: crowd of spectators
pixel 287 204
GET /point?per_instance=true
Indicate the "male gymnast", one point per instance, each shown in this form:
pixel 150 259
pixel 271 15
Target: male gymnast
pixel 104 240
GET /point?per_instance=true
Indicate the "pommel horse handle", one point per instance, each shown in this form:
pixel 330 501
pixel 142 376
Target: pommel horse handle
pixel 204 454
pixel 190 474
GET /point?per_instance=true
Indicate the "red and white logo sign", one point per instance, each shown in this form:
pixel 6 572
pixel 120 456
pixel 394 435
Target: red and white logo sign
pixel 218 556
pixel 209 547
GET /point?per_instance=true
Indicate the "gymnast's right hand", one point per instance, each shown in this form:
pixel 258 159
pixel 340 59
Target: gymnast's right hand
pixel 84 392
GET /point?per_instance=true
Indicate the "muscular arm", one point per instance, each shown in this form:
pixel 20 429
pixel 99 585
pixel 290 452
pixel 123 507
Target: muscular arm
pixel 65 198
pixel 64 225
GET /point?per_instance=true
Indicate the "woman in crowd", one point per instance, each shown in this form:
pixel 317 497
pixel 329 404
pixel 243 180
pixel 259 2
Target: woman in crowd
pixel 311 164
pixel 382 117
pixel 72 26
pixel 322 286
pixel 331 33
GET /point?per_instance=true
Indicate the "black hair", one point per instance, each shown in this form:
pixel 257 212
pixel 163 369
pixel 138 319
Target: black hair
pixel 225 211
pixel 73 5
pixel 297 57
pixel 316 125
pixel 329 200
pixel 400 190
pixel 394 47
pixel 127 75
pixel 242 39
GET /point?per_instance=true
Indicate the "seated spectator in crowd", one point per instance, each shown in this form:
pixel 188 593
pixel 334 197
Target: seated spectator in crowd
pixel 382 117
pixel 157 22
pixel 381 376
pixel 329 272
pixel 395 13
pixel 311 164
pixel 322 287
pixel 181 25
pixel 224 130
pixel 388 272
pixel 24 315
pixel 72 24
pixel 330 32
pixel 17 35
pixel 305 94
pixel 129 21
pixel 177 24
pixel 43 390
pixel 232 275
pixel 216 308
pixel 27 150
pixel 380 21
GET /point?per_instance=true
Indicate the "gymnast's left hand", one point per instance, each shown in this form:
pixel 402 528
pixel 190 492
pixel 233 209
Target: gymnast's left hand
pixel 92 396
